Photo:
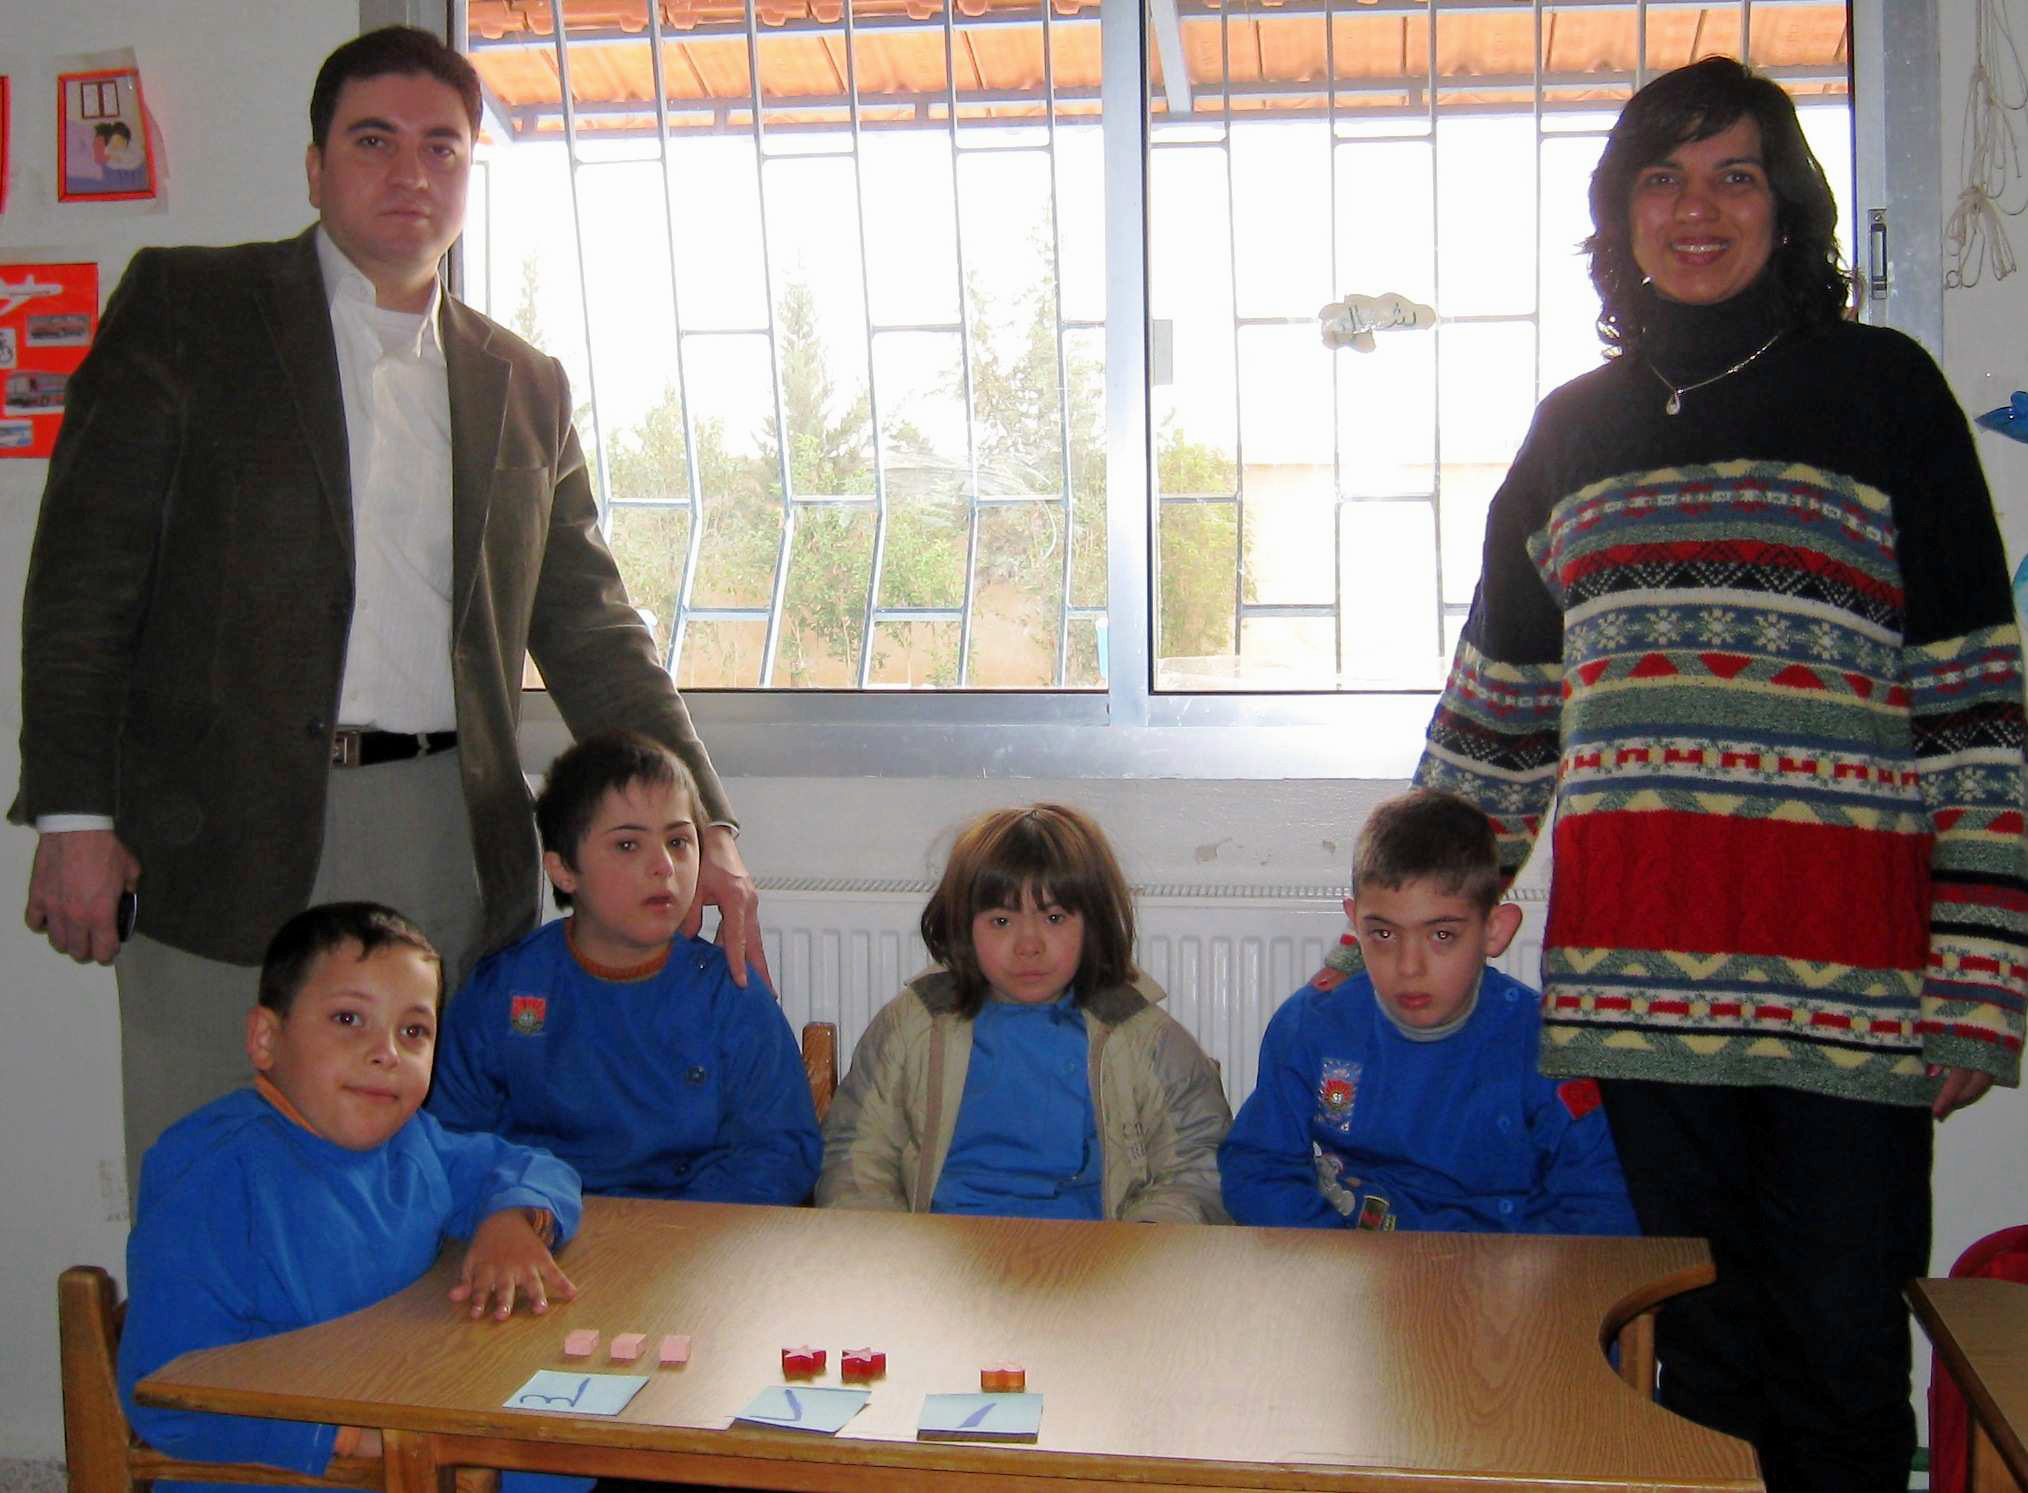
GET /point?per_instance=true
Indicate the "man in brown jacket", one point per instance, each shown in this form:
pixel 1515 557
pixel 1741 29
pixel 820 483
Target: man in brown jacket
pixel 305 517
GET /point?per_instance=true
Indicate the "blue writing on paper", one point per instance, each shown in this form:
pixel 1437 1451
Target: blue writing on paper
pixel 821 1410
pixel 529 1396
pixel 563 1392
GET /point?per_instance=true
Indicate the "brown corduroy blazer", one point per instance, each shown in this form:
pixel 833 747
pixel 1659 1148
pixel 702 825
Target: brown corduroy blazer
pixel 190 593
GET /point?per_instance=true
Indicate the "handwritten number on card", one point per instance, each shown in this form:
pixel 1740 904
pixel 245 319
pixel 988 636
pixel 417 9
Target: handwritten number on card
pixel 531 1398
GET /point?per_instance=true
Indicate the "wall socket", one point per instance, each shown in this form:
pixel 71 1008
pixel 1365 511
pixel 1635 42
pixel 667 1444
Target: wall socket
pixel 113 1189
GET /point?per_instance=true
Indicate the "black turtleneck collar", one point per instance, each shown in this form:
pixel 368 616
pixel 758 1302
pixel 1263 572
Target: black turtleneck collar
pixel 1687 343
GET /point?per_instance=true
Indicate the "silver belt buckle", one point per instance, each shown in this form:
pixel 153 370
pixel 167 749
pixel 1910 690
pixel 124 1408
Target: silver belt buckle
pixel 345 746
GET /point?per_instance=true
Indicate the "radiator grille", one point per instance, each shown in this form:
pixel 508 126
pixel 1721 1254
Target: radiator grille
pixel 1227 954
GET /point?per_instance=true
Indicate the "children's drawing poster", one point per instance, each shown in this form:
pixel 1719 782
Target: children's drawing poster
pixel 102 145
pixel 48 314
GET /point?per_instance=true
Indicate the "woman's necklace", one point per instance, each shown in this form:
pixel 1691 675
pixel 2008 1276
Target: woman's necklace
pixel 1674 404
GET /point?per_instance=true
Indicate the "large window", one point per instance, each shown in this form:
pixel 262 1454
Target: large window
pixel 832 279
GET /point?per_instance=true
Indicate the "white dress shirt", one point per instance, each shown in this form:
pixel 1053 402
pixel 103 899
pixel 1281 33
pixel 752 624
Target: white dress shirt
pixel 398 428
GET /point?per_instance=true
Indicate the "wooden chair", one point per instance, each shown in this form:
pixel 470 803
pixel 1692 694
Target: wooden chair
pixel 820 1062
pixel 102 1451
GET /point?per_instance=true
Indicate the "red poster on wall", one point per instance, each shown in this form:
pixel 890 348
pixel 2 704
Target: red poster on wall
pixel 48 315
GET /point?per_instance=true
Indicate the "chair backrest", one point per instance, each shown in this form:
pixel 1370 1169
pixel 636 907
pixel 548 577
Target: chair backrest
pixel 99 1445
pixel 95 1435
pixel 820 1062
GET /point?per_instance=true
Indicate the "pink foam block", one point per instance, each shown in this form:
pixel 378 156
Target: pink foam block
pixel 580 1341
pixel 676 1348
pixel 627 1346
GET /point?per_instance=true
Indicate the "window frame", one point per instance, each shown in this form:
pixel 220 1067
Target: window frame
pixel 1127 729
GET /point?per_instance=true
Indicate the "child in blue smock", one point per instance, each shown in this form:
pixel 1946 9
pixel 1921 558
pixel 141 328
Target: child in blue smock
pixel 1029 1076
pixel 1408 1096
pixel 611 1037
pixel 321 1190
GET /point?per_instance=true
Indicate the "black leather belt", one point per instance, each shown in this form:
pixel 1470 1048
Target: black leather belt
pixel 355 748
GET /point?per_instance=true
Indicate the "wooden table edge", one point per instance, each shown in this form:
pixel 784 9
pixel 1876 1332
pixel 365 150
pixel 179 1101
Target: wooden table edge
pixel 1986 1412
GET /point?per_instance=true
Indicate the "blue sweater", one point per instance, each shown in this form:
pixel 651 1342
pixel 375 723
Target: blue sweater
pixel 677 1085
pixel 1353 1123
pixel 248 1225
pixel 1026 1141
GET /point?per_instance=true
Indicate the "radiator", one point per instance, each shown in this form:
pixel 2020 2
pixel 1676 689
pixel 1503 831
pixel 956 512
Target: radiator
pixel 1227 954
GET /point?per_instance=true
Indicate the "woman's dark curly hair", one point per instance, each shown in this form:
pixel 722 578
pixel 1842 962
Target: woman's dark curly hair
pixel 1695 103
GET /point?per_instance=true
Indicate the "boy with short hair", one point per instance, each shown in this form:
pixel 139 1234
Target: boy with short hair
pixel 321 1189
pixel 612 1038
pixel 1408 1096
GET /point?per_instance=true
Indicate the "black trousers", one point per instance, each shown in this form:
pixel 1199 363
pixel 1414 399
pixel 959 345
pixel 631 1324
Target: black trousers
pixel 1817 1210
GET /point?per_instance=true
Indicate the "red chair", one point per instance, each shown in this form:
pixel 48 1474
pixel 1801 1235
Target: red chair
pixel 2000 1256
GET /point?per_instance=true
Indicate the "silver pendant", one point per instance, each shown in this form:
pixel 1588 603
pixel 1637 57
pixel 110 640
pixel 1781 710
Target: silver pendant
pixel 1674 404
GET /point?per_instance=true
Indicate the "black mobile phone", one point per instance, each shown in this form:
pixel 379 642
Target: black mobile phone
pixel 123 917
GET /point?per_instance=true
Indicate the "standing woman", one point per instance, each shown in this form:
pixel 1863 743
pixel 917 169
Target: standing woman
pixel 1744 618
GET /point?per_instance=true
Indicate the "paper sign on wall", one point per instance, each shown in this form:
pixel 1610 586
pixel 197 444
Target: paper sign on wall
pixel 48 315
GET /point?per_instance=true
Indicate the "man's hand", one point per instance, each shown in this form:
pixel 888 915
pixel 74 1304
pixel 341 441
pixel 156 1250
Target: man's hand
pixel 74 892
pixel 507 1255
pixel 1961 1086
pixel 722 881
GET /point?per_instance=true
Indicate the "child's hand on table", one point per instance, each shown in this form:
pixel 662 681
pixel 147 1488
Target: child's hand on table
pixel 509 1253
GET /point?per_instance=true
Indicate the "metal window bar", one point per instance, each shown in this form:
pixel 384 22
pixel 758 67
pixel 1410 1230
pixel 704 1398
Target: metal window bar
pixel 964 345
pixel 526 117
pixel 1436 285
pixel 1238 363
pixel 693 539
pixel 562 47
pixel 784 438
pixel 1062 356
pixel 880 513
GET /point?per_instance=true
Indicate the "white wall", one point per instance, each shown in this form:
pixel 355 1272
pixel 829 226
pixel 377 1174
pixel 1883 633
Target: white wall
pixel 228 83
pixel 1982 1165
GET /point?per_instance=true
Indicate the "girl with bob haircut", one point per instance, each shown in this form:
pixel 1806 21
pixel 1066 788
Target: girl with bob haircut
pixel 1030 1075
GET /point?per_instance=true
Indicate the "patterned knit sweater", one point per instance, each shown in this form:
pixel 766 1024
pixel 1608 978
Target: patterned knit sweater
pixel 1762 656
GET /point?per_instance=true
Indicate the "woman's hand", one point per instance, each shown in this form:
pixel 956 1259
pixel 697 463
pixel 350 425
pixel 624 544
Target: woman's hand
pixel 1961 1086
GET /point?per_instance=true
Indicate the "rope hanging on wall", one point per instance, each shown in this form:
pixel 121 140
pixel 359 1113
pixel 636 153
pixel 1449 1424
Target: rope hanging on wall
pixel 1989 154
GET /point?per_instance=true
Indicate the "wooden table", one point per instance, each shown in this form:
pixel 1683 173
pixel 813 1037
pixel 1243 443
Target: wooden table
pixel 1169 1357
pixel 1979 1329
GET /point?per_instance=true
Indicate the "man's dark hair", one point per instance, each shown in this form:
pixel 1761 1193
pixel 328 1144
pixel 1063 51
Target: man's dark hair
pixel 1058 854
pixel 316 931
pixel 582 776
pixel 1429 836
pixel 392 49
pixel 1694 103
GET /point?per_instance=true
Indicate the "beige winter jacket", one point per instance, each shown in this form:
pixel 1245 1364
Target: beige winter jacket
pixel 1157 1104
